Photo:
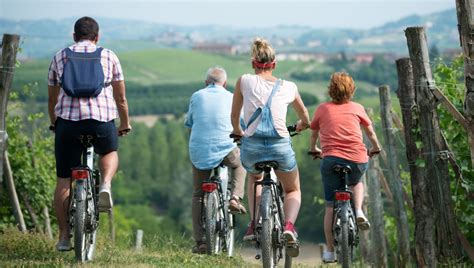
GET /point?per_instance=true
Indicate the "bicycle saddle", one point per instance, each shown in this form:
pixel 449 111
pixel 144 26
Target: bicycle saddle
pixel 261 166
pixel 342 169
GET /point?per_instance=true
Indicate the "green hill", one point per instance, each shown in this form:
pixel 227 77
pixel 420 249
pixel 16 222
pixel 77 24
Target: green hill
pixel 160 81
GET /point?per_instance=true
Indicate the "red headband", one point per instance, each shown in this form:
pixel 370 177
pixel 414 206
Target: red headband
pixel 264 65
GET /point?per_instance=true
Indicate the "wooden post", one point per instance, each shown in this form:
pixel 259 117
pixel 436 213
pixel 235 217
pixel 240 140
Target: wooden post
pixel 448 245
pixel 139 240
pixel 394 178
pixel 47 223
pixel 9 49
pixel 365 251
pixel 465 10
pixel 13 196
pixel 378 249
pixel 425 248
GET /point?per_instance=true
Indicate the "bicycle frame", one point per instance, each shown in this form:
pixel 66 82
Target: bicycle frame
pixel 218 181
pixel 343 213
pixel 273 212
pixel 84 194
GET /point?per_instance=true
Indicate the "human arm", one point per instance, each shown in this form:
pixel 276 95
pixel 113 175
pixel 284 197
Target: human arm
pixel 370 133
pixel 122 106
pixel 237 103
pixel 302 112
pixel 53 92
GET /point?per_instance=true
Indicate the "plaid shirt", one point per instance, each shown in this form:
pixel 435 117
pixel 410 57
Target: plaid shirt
pixel 101 108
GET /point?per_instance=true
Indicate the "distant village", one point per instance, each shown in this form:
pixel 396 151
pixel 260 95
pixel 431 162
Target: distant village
pixel 313 50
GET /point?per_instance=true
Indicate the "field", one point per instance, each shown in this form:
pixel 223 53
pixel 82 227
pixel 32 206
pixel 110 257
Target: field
pixel 161 81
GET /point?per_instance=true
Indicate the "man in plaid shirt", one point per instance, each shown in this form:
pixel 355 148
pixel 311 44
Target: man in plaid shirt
pixel 74 116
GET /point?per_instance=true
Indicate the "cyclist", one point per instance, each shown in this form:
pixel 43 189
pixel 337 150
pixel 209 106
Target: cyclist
pixel 252 91
pixel 337 124
pixel 208 119
pixel 90 114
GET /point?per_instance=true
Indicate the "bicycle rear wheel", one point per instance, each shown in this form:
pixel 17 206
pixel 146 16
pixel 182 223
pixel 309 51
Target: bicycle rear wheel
pixel 84 227
pixel 211 218
pixel 268 247
pixel 344 253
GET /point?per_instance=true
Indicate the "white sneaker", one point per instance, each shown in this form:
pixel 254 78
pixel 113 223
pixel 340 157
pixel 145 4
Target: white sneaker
pixel 63 245
pixel 105 199
pixel 329 256
pixel 362 222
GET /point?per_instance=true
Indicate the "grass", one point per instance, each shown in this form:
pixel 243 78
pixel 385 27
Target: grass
pixel 18 249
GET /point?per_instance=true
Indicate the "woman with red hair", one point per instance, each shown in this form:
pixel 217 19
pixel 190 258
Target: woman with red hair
pixel 337 124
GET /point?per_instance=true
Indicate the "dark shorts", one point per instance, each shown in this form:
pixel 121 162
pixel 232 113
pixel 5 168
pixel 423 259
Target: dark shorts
pixel 331 179
pixel 68 149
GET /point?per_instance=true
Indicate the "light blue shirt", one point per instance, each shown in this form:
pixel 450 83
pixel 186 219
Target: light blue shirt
pixel 208 118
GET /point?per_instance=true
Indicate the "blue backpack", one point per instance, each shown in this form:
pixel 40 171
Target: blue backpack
pixel 266 129
pixel 83 75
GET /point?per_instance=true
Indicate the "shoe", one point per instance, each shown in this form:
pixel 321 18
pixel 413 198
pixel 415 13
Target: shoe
pixel 105 199
pixel 291 237
pixel 236 207
pixel 200 248
pixel 249 234
pixel 63 245
pixel 329 257
pixel 362 222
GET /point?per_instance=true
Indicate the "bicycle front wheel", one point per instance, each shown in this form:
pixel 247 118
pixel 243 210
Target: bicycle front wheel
pixel 230 235
pixel 211 218
pixel 344 254
pixel 268 247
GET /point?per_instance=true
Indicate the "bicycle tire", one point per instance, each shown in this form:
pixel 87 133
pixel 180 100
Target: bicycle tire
pixel 288 261
pixel 80 222
pixel 230 235
pixel 266 244
pixel 344 254
pixel 210 222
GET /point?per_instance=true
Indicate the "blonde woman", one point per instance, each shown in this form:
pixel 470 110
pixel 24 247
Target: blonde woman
pixel 337 124
pixel 253 92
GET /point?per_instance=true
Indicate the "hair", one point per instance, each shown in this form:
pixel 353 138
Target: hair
pixel 341 87
pixel 86 28
pixel 263 52
pixel 216 74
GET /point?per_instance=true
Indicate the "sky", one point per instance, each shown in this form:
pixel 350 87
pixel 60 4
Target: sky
pixel 359 14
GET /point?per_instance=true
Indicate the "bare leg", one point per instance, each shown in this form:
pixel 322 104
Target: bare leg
pixel 250 194
pixel 328 228
pixel 358 191
pixel 198 177
pixel 108 166
pixel 61 203
pixel 291 185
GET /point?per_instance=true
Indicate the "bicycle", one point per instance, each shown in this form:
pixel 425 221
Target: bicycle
pixel 269 223
pixel 345 230
pixel 217 220
pixel 83 217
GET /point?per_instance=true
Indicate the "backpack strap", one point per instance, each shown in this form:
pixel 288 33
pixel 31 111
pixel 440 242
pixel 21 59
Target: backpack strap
pixel 268 104
pixel 96 54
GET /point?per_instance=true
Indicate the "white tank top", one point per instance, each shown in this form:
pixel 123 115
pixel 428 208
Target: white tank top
pixel 256 91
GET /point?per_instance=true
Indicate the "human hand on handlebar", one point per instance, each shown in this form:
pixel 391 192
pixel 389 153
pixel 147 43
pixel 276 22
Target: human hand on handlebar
pixel 300 126
pixel 123 130
pixel 373 151
pixel 315 153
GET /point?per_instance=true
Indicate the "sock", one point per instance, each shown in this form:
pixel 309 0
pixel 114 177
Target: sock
pixel 360 213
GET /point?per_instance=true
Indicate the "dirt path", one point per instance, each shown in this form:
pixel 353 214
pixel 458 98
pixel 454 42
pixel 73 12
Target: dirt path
pixel 310 255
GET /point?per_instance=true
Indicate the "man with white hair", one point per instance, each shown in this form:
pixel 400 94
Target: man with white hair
pixel 208 119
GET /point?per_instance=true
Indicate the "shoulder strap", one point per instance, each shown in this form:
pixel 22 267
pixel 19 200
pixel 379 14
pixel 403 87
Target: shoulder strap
pixel 268 104
pixel 274 91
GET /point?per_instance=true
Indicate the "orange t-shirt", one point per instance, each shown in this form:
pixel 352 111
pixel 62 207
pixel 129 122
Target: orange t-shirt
pixel 339 129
